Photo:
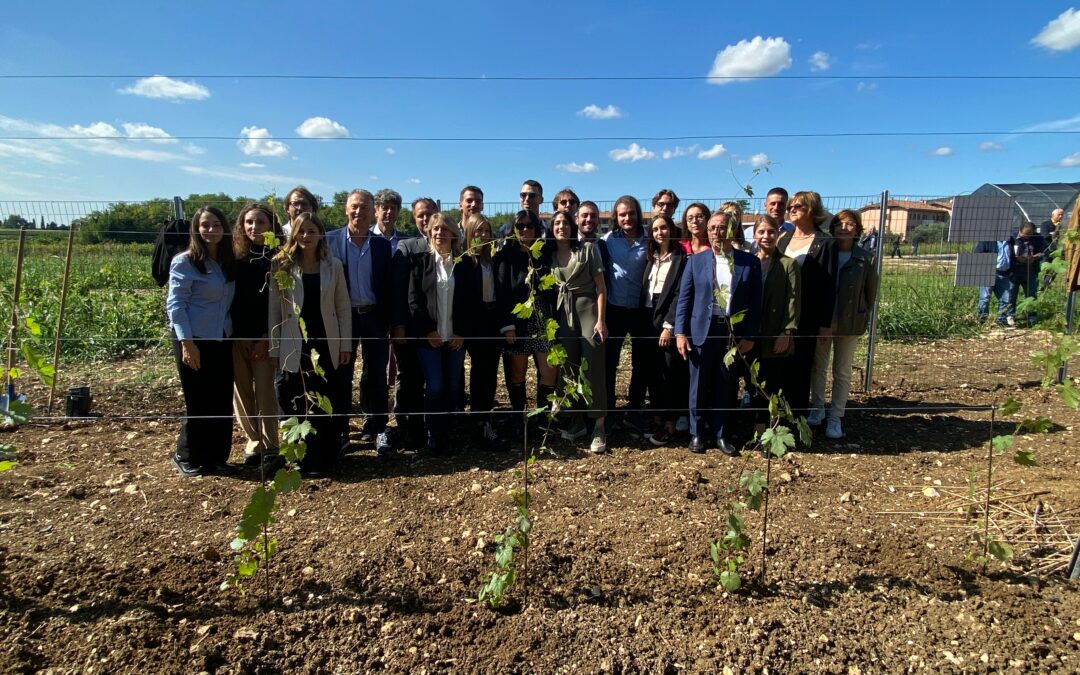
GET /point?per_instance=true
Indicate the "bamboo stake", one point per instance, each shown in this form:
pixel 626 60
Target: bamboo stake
pixel 60 318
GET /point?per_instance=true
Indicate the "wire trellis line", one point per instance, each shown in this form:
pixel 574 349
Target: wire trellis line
pixel 525 78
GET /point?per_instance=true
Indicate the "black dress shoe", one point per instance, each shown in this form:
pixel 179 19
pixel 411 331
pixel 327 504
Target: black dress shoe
pixel 222 469
pixel 698 445
pixel 727 448
pixel 185 467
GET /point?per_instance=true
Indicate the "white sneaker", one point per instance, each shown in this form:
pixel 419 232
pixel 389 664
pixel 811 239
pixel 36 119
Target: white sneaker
pixel 682 425
pixel 599 441
pixel 833 430
pixel 816 417
pixel 1010 321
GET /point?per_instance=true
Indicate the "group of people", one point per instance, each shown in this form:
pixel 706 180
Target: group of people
pixel 263 332
pixel 1018 268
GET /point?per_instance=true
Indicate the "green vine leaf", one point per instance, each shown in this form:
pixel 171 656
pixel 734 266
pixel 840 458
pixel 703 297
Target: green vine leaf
pixel 1070 396
pixel 1000 550
pixel 547 281
pixel 1024 458
pixel 1010 407
pixel 523 310
pixel 270 240
pixel 778 441
pixel 1002 443
pixel 536 249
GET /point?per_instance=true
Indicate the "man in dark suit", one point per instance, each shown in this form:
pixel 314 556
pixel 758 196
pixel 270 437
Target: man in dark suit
pixel 718 286
pixel 367 261
pixel 409 398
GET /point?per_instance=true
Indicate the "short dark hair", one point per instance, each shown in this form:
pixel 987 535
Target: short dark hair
pixel 565 192
pixel 469 188
pixel 777 191
pixel 425 200
pixel 534 184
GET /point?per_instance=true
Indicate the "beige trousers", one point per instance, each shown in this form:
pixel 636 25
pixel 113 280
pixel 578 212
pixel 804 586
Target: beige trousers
pixel 842 350
pixel 255 399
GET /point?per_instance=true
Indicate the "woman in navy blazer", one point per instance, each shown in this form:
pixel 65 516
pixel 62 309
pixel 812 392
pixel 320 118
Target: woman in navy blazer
pixel 443 296
pixel 659 289
pixel 704 328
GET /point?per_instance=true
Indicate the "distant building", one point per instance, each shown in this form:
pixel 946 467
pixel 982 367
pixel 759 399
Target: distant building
pixel 904 216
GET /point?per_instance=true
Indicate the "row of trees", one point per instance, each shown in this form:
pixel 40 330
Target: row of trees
pixel 140 221
pixel 15 222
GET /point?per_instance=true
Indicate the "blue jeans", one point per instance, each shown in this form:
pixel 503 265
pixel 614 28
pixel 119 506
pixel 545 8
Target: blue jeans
pixel 1003 290
pixel 442 368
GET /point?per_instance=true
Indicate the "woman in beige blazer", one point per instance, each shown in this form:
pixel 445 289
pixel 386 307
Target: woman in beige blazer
pixel 309 284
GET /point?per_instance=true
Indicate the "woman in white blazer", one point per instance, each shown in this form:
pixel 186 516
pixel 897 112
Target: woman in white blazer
pixel 313 289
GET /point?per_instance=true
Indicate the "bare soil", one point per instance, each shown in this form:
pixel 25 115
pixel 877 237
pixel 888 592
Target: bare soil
pixel 111 562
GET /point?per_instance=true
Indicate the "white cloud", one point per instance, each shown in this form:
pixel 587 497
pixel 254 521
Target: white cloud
pixel 1067 124
pixel 373 177
pixel 574 167
pixel 866 86
pixel 942 151
pixel 632 153
pixel 678 151
pixel 868 46
pixel 253 165
pixel 749 59
pixel 820 61
pixel 257 142
pixel 193 149
pixel 321 127
pixel 1061 34
pixel 414 181
pixel 713 152
pixel 160 86
pixel 1068 161
pixel 140 130
pixel 758 161
pixel 391 151
pixel 595 112
pixel 266 179
pixel 33 150
pixel 99 138
pixel 990 146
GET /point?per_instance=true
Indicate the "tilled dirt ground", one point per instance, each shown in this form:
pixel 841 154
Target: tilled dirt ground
pixel 112 563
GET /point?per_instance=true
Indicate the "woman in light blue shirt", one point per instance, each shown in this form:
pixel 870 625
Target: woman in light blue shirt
pixel 200 293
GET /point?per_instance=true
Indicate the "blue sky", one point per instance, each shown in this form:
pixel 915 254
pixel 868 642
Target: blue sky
pixel 860 42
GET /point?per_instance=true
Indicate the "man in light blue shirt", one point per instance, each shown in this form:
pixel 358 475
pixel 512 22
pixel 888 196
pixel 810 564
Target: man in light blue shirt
pixel 627 247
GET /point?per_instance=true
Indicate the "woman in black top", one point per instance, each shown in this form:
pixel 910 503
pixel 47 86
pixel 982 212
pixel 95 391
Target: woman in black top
pixel 659 291
pixel 254 397
pixel 484 348
pixel 812 250
pixel 442 301
pixel 517 279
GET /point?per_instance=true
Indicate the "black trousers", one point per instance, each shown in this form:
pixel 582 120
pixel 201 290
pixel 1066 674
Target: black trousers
pixel 409 396
pixel 636 322
pixel 484 352
pixel 206 430
pixel 370 340
pixel 324 444
pixel 797 370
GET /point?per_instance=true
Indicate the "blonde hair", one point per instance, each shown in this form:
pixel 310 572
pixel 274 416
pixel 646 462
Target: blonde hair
pixel 446 221
pixel 288 258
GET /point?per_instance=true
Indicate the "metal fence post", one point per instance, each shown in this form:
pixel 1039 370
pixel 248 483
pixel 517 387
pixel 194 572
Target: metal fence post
pixel 178 208
pixel 1070 307
pixel 883 221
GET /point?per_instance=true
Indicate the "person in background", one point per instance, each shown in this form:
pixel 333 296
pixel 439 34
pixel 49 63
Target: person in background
pixel 660 288
pixel 366 261
pixel 531 198
pixel 517 278
pixel 781 300
pixel 776 207
pixel 442 302
pixel 409 397
pixel 715 287
pixel 201 290
pixel 566 200
pixel 735 211
pixel 317 293
pixel 1049 230
pixel 856 293
pixel 664 203
pixel 580 310
pixel 483 347
pixel 588 229
pixel 254 395
pixel 812 249
pixel 694 236
pixel 1003 288
pixel 627 247
pixel 298 200
pixel 1029 251
pixel 387 208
